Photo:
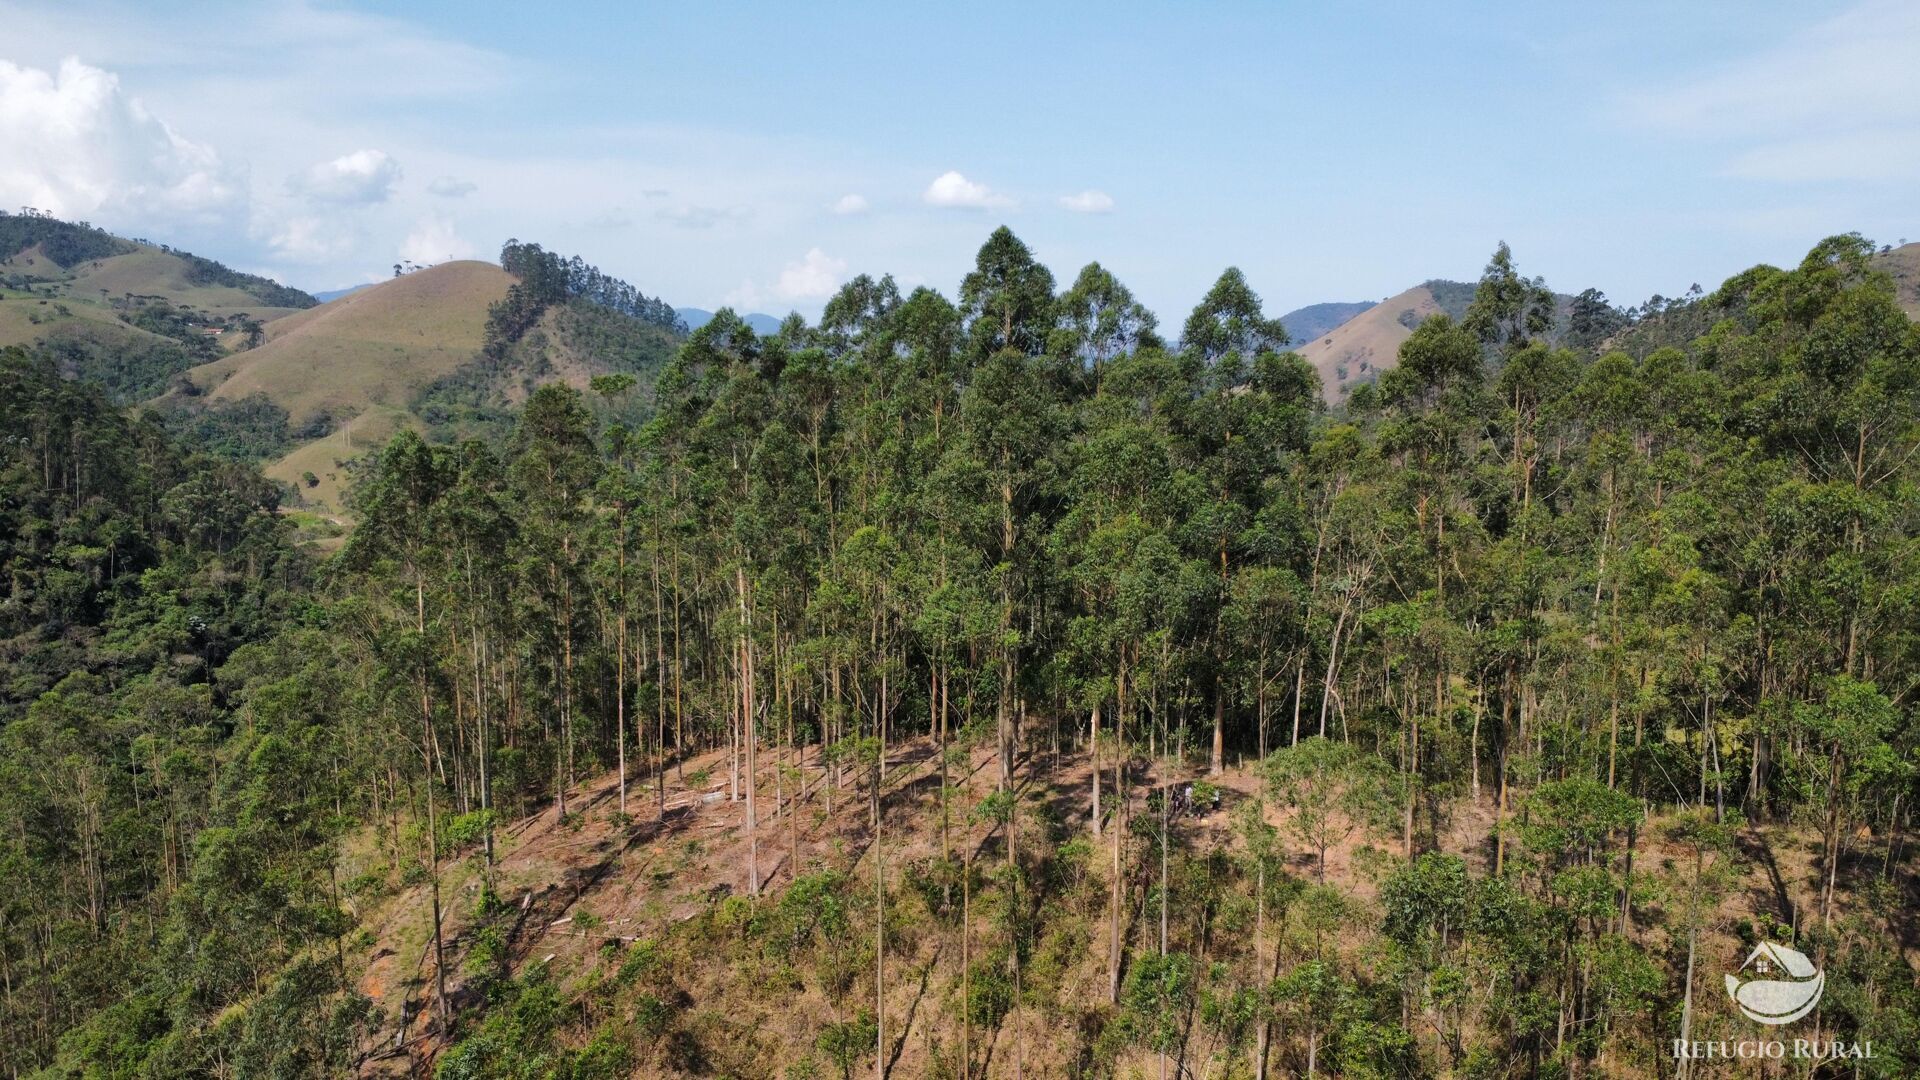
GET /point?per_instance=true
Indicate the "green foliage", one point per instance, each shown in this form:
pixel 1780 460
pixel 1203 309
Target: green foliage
pixel 1156 996
pixel 1597 611
pixel 248 429
pixel 131 368
pixel 1424 897
pixel 1332 789
pixel 848 1042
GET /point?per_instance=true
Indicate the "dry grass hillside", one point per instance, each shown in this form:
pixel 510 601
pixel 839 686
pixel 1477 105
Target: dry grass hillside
pixel 374 347
pixel 1904 264
pixel 1369 343
pixel 320 471
pixel 152 272
pixel 28 317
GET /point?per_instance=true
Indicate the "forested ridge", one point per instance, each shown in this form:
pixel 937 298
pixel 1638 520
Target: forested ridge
pixel 1003 685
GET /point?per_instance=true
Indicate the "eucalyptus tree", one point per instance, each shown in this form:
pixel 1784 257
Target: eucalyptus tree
pixel 1007 299
pixel 401 508
pixel 553 467
pixel 1100 321
pixel 1250 405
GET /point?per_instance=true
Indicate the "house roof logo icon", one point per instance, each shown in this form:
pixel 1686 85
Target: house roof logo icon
pixel 1777 985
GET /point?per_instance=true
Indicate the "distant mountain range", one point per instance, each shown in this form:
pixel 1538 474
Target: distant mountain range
pixel 695 318
pixel 1305 324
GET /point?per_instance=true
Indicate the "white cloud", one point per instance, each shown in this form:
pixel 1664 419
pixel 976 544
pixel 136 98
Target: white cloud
pixel 435 240
pixel 1839 101
pixel 814 277
pixel 952 189
pixel 309 240
pixel 452 187
pixel 1089 201
pixel 851 204
pixel 742 297
pixel 361 178
pixel 79 146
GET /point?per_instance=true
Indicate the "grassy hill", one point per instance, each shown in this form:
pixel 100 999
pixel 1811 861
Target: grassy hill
pixel 1903 263
pixel 82 266
pixel 126 313
pixel 378 346
pixel 410 352
pixel 1360 348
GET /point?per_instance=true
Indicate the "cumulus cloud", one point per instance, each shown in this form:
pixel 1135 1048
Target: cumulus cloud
pixel 1089 201
pixel 361 178
pixel 814 277
pixel 79 146
pixel 851 204
pixel 952 189
pixel 452 187
pixel 435 240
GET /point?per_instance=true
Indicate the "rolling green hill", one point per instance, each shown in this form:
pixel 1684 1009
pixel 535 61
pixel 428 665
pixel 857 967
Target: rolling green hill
pixel 126 313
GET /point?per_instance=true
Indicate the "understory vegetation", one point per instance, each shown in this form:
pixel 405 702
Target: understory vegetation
pixel 1093 700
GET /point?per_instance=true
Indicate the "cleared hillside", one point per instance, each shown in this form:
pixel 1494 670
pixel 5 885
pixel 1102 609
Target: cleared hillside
pixel 1359 349
pixel 1903 263
pixel 378 346
pixel 643 918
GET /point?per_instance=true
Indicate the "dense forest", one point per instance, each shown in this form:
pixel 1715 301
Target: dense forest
pixel 1509 676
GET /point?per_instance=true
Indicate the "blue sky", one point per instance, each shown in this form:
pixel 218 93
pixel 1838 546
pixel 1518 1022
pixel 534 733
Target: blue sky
pixel 760 154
